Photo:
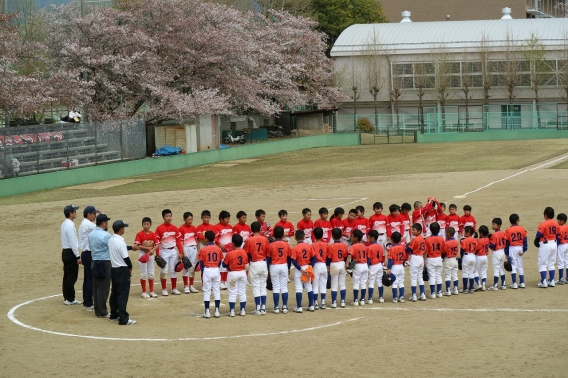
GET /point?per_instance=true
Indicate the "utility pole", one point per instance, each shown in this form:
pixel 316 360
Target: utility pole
pixel 83 8
pixel 4 6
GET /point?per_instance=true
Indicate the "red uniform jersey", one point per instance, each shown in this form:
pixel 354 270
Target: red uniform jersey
pixel 320 249
pixel 169 237
pixel 467 220
pixel 430 216
pixel 563 234
pixel 287 226
pixel 224 236
pixel 451 248
pixel 394 224
pixel 337 223
pixel 397 254
pixel 337 252
pixel 418 245
pixel 469 245
pixel 482 246
pixel 498 240
pixel 549 230
pixel 257 247
pixel 515 235
pixel 442 219
pixel 349 226
pixel 202 228
pixel 326 227
pixel 188 235
pixel 307 226
pixel 236 260
pixel 434 246
pixel 279 251
pixel 362 224
pixel 405 221
pixel 141 237
pixel 453 220
pixel 375 252
pixel 210 255
pixel 378 222
pixel 243 230
pixel 358 252
pixel 418 214
pixel 302 253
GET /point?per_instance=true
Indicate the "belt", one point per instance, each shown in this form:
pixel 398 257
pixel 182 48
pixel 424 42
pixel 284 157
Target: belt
pixel 210 267
pixel 381 234
pixel 170 247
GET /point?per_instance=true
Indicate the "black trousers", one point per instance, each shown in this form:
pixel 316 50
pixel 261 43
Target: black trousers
pixel 70 274
pixel 101 288
pixel 119 294
pixel 87 279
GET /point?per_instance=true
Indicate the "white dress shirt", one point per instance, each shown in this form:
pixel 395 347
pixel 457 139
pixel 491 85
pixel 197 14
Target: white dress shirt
pixel 69 237
pixel 117 250
pixel 85 229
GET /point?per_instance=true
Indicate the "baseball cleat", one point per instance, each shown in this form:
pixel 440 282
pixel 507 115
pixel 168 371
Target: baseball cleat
pixel 311 308
pixel 71 303
pixel 342 304
pixel 175 292
pixel 193 290
pixel 362 302
pixel 256 312
pixel 455 292
pixel 422 297
pixel 493 288
pixel 316 306
pixel 477 288
pixel 207 315
pixel 394 300
pixel 262 311
pixel 543 284
pixel 503 286
pixel 514 286
pixel 216 314
pixel 483 288
pixel 153 295
pixel 145 295
pixel 242 312
pixel 164 293
pixel 432 296
pixel 276 310
pixel 381 300
pixel 89 308
pixel 284 309
pixel 466 291
pixel 401 300
pixel 447 293
pixel 186 290
pixel 232 313
pixel 550 284
pixel 333 305
pixel 461 291
pixel 355 303
pixel 413 298
pixel 561 281
pixel 107 315
pixel 322 306
pixel 439 294
pixel 130 322
pixel 471 291
pixel 370 301
pixel 522 285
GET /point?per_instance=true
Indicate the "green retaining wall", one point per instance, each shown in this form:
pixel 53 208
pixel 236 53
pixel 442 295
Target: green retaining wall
pixel 77 176
pixel 491 135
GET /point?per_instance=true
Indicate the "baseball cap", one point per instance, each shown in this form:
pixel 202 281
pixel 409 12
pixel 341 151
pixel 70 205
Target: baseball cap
pixel 118 224
pixel 144 258
pixel 102 218
pixel 70 208
pixel 179 266
pixel 89 210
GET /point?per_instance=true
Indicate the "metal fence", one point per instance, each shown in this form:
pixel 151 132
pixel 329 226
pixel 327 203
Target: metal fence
pixel 26 150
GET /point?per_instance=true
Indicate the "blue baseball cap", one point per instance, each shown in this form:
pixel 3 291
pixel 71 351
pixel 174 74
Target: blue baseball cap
pixel 89 210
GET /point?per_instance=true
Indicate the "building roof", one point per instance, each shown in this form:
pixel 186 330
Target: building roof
pixel 421 37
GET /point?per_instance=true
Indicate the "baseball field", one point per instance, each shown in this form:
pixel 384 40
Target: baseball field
pixel 518 333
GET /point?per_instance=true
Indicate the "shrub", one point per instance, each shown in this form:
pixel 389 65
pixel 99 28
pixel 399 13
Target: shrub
pixel 365 126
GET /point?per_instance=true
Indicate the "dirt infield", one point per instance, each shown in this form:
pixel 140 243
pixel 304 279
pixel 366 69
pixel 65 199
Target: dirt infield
pixel 518 333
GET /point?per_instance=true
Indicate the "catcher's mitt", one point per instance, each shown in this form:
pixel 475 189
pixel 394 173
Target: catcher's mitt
pixel 161 262
pixel 186 263
pixel 387 279
pixel 425 275
pixel 148 243
pixel 507 266
pixel 269 283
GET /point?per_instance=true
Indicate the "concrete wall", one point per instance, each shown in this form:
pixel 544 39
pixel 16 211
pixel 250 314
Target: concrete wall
pixel 77 176
pixel 310 122
pixel 491 135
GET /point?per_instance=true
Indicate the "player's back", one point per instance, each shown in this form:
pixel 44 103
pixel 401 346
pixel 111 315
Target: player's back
pixel 236 260
pixel 320 250
pixel 469 245
pixel 397 254
pixel 548 229
pixel 257 246
pixel 516 235
pixel 482 246
pixel 498 240
pixel 337 251
pixel 418 245
pixel 358 252
pixel 279 251
pixel 375 253
pixel 563 239
pixel 451 248
pixel 302 253
pixel 434 246
pixel 210 255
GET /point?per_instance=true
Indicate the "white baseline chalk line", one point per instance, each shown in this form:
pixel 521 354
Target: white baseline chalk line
pixel 13 318
pixel 516 174
pixel 463 309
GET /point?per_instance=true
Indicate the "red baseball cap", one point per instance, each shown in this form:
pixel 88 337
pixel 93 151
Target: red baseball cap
pixel 179 266
pixel 144 258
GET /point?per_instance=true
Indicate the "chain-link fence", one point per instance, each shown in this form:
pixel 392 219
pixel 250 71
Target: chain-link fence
pixel 26 150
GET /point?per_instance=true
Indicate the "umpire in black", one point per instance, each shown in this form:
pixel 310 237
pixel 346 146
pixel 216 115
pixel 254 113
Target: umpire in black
pixel 121 271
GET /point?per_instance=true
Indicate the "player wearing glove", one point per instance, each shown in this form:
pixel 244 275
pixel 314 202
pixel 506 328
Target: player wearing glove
pixel 147 243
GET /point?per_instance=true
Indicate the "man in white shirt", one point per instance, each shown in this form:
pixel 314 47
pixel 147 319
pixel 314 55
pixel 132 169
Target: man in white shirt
pixel 121 271
pixel 70 255
pixel 87 226
pixel 74 116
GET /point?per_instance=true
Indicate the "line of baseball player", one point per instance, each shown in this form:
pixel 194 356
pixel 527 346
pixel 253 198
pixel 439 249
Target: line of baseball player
pixel 327 250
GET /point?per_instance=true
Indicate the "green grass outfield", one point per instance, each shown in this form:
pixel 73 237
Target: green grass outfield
pixel 329 163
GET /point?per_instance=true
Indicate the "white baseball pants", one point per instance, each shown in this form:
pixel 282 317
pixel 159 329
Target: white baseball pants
pixel 211 282
pixel 562 256
pixel 398 271
pixel 451 269
pixel 170 255
pixel 337 270
pixel 237 286
pixel 221 269
pixel 360 276
pixel 468 266
pixel 382 240
pixel 320 280
pixel 498 258
pixel 279 277
pixel 376 275
pixel 258 272
pixel 516 260
pixel 146 269
pixel 481 266
pixel 547 256
pixel 298 284
pixel 443 233
pixel 190 251
pixel 416 268
pixel 406 236
pixel 434 267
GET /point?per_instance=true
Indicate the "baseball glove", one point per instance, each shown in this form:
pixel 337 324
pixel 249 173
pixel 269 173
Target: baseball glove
pixel 160 261
pixel 507 266
pixel 425 275
pixel 387 280
pixel 459 264
pixel 148 243
pixel 328 284
pixel 186 263
pixel 269 283
pixel 537 242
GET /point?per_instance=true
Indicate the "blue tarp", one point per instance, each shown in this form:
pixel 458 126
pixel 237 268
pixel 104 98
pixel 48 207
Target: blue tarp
pixel 167 151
